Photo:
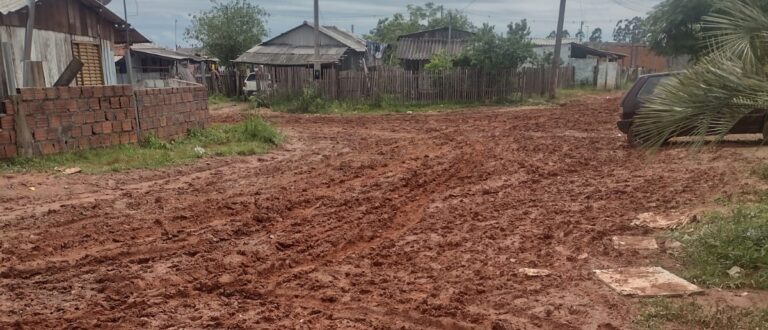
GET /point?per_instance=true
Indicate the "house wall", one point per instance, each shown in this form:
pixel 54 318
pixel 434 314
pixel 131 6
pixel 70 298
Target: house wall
pixel 75 118
pixel 65 16
pixel 565 52
pixel 608 75
pixel 643 56
pixel 584 70
pixel 54 49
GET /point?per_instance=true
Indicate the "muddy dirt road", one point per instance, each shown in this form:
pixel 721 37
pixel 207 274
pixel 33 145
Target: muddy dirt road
pixel 394 221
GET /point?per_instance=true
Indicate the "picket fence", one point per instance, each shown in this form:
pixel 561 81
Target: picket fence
pixel 460 84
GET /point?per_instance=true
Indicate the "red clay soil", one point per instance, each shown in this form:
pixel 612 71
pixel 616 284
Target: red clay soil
pixel 379 221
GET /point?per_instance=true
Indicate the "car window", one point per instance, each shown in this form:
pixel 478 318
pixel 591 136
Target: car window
pixel 650 86
pixel 251 77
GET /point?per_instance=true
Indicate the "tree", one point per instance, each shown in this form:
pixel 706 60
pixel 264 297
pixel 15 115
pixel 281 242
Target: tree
pixel 727 84
pixel 581 35
pixel 419 18
pixel 674 27
pixel 553 34
pixel 596 36
pixel 228 29
pixel 630 30
pixel 491 51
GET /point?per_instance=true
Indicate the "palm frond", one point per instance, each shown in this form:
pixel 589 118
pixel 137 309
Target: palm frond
pixel 708 100
pixel 738 28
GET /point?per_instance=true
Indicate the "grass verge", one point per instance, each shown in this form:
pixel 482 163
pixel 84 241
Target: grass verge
pixel 721 241
pixel 252 136
pixel 665 314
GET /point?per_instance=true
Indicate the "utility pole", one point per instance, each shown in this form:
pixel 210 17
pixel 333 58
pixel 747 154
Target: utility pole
pixel 581 32
pixel 558 45
pixel 176 34
pixel 127 56
pixel 317 41
pixel 450 30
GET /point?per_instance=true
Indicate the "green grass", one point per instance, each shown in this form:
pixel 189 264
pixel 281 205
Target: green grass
pixel 252 136
pixel 721 241
pixel 312 102
pixel 666 314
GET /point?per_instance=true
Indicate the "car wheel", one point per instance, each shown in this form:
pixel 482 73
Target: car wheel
pixel 632 138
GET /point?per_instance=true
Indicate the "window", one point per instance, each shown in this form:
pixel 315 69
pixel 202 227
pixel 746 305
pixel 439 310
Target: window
pixel 650 86
pixel 90 55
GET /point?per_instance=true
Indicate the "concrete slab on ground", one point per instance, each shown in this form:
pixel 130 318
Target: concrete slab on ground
pixel 640 243
pixel 646 282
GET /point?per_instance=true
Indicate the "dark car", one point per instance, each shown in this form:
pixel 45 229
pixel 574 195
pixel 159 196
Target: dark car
pixel 646 86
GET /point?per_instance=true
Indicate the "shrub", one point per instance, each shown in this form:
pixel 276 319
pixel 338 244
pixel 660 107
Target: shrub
pixel 311 101
pixel 723 241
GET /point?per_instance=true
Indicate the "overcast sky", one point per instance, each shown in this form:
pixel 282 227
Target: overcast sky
pixel 155 18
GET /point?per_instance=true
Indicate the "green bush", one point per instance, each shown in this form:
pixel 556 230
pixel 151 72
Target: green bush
pixel 722 241
pixel 310 101
pixel 258 101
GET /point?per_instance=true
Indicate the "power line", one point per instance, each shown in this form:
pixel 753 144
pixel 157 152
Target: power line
pixel 469 4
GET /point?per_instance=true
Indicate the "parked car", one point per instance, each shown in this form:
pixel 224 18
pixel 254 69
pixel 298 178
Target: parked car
pixel 257 83
pixel 645 86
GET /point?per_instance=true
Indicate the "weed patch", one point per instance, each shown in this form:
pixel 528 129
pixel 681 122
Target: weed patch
pixel 665 314
pixel 722 241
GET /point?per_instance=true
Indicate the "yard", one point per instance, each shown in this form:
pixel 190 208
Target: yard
pixel 410 221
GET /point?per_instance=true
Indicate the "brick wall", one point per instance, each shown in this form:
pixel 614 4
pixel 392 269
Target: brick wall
pixel 73 118
pixel 7 131
pixel 169 113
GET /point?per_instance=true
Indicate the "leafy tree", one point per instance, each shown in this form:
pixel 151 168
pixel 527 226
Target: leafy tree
pixel 553 34
pixel 581 35
pixel 674 27
pixel 228 29
pixel 630 30
pixel 439 62
pixel 519 30
pixel 418 18
pixel 490 51
pixel 596 36
pixel 726 84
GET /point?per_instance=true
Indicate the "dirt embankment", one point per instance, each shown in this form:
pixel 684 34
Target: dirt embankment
pixel 392 221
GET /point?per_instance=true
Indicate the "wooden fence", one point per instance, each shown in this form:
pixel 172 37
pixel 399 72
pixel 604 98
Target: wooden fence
pixel 461 84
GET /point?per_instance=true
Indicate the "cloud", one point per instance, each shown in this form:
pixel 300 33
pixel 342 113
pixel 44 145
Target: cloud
pixel 156 18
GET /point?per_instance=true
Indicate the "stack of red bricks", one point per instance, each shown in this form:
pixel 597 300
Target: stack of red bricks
pixel 72 118
pixel 169 113
pixel 7 131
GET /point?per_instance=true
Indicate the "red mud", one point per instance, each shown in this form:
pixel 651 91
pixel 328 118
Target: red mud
pixel 379 221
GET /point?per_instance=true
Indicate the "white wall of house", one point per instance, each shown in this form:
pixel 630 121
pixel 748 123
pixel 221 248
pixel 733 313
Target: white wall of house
pixel 584 70
pixel 54 49
pixel 565 52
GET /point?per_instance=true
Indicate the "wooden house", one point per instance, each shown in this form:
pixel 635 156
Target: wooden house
pixel 415 50
pixel 63 30
pixel 296 48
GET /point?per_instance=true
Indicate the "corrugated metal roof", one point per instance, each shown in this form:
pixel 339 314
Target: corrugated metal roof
pixel 9 6
pixel 425 49
pixel 347 38
pixel 337 34
pixel 416 35
pixel 165 53
pixel 290 55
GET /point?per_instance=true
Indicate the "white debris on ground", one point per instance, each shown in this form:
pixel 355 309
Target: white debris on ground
pixel 199 151
pixel 534 272
pixel 646 282
pixel 671 221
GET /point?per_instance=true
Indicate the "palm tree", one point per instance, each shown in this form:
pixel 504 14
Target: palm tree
pixel 710 98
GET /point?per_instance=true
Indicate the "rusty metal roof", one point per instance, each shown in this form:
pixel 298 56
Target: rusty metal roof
pixel 425 49
pixel 290 55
